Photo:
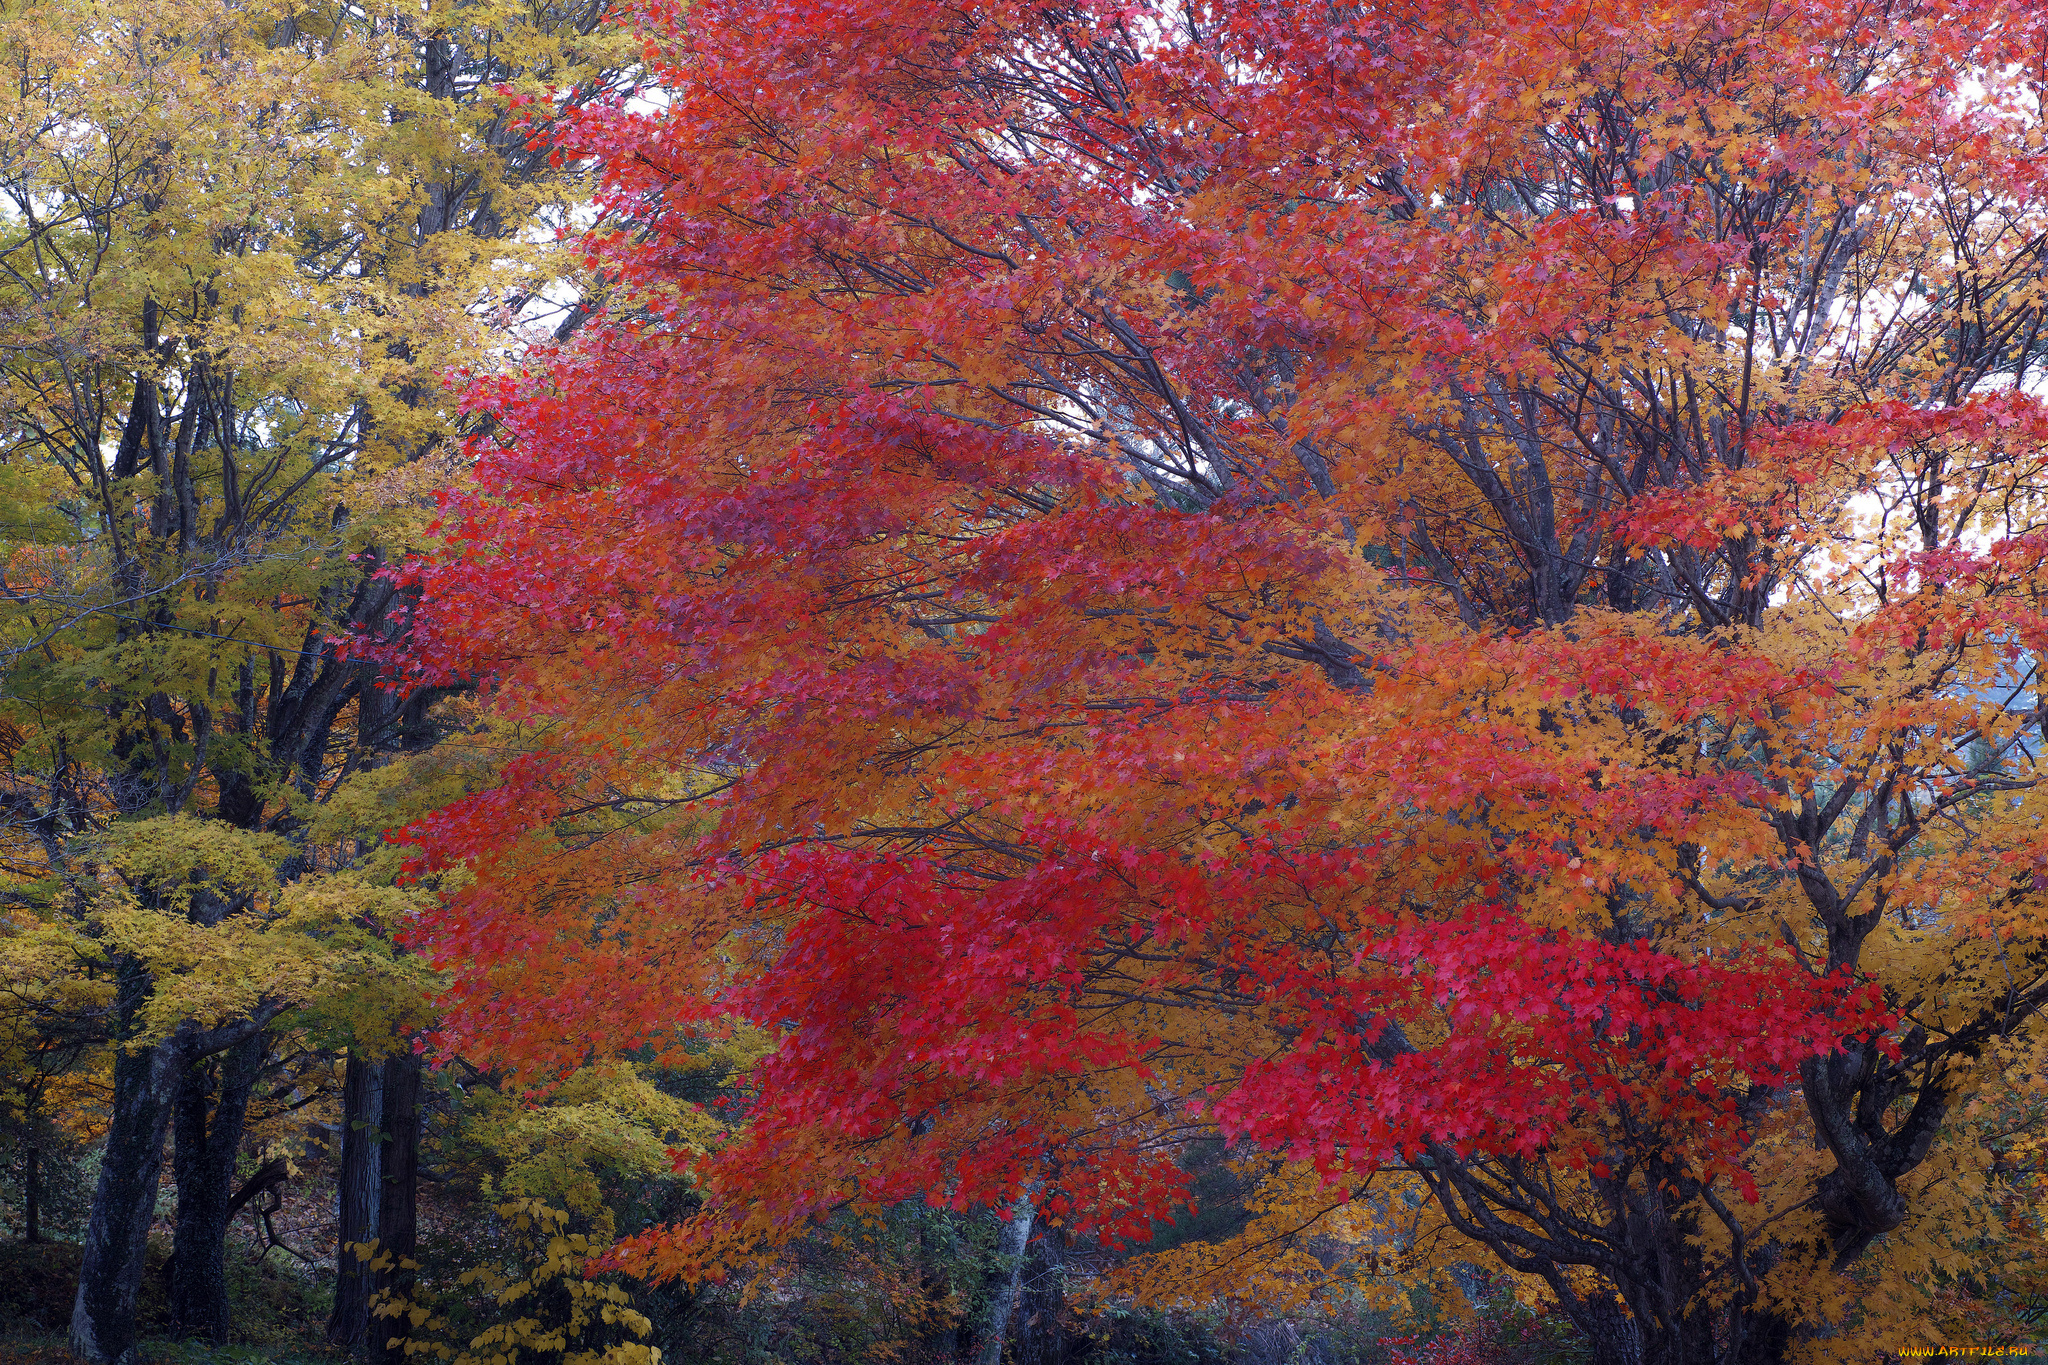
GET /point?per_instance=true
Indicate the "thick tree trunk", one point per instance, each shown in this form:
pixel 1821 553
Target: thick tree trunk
pixel 1764 1340
pixel 1612 1334
pixel 124 1202
pixel 147 1079
pixel 212 1111
pixel 398 1208
pixel 1709 1335
pixel 359 1192
pixel 1016 1236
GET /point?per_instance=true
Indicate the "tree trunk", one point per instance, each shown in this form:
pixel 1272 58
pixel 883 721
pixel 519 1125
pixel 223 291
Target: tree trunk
pixel 1042 1306
pixel 359 1191
pixel 32 1189
pixel 124 1201
pixel 398 1207
pixel 1016 1236
pixel 212 1111
pixel 1765 1338
pixel 147 1080
pixel 1611 1332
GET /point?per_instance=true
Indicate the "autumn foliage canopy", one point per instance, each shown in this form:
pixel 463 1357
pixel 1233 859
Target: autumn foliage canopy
pixel 1441 589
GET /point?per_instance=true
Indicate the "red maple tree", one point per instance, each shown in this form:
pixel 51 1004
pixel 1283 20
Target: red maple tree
pixel 1427 587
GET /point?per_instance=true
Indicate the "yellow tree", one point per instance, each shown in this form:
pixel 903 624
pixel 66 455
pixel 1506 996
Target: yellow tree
pixel 241 240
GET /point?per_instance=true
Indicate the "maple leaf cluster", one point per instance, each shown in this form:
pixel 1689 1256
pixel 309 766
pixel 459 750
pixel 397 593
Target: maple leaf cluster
pixel 1413 587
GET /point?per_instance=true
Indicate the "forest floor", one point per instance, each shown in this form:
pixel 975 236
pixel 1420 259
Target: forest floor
pixel 280 1310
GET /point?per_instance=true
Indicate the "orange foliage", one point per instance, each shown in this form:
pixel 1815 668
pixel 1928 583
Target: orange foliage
pixel 1416 587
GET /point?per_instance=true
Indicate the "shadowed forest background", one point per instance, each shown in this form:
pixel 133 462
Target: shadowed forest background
pixel 1263 682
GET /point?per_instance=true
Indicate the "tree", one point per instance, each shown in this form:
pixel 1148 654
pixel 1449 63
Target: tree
pixel 49 1088
pixel 241 241
pixel 1443 592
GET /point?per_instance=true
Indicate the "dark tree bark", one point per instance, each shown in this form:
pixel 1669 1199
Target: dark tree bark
pixel 359 1194
pixel 124 1202
pixel 211 1113
pixel 398 1206
pixel 1611 1333
pixel 32 1190
pixel 147 1080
